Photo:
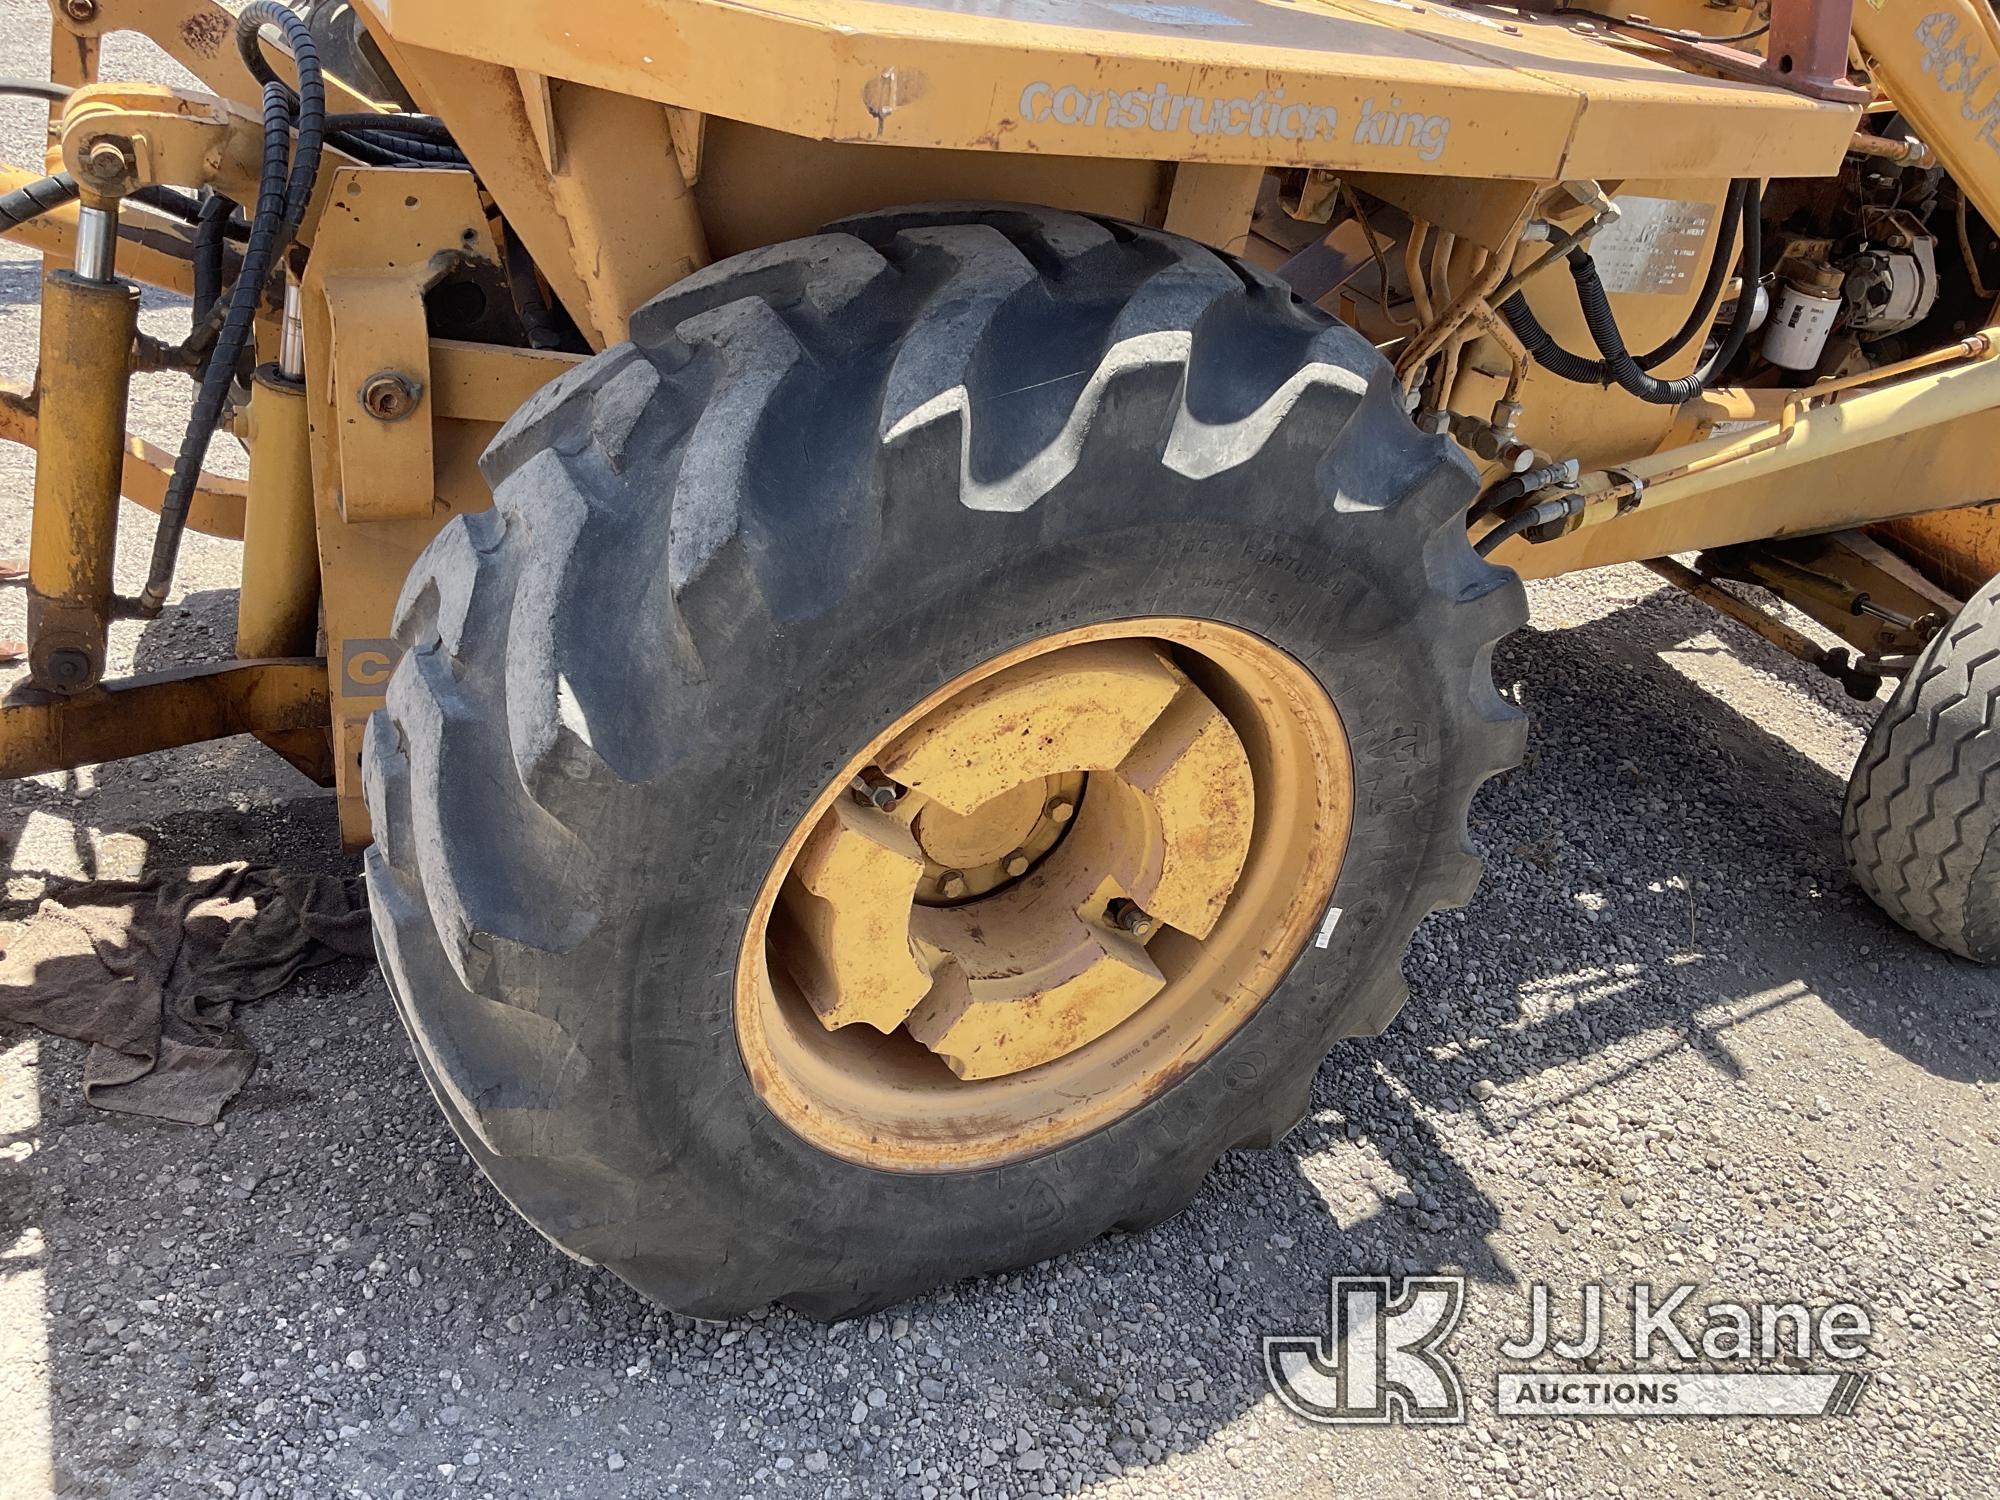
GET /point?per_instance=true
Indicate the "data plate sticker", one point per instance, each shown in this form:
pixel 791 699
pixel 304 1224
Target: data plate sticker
pixel 1655 246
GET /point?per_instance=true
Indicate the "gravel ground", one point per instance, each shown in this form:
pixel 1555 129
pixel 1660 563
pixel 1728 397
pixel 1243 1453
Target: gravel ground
pixel 1670 1044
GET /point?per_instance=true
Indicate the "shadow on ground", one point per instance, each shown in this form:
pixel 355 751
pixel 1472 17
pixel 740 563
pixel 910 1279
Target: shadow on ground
pixel 1661 871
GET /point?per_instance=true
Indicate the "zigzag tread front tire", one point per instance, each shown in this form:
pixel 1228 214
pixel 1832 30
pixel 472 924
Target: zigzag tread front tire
pixel 824 479
pixel 1921 823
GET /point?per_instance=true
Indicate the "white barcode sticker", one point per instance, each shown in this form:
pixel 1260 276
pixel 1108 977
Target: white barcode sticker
pixel 1326 928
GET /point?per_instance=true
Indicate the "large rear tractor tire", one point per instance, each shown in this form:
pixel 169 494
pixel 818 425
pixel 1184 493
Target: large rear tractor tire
pixel 937 738
pixel 1922 824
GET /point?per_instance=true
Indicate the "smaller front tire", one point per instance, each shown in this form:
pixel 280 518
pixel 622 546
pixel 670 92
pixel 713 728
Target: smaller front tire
pixel 1922 824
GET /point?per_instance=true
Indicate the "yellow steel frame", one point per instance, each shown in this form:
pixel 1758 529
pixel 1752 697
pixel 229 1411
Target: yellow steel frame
pixel 624 159
pixel 161 710
pixel 1349 84
pixel 390 485
pixel 194 33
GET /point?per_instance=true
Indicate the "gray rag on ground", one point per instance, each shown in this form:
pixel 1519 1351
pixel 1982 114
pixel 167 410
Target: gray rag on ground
pixel 150 972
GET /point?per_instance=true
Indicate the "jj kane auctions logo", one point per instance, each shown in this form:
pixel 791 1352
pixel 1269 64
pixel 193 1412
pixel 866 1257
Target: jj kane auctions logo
pixel 1383 1356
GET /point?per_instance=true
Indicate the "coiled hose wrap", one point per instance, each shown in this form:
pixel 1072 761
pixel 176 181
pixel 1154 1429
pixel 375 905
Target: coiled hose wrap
pixel 33 199
pixel 1618 365
pixel 282 199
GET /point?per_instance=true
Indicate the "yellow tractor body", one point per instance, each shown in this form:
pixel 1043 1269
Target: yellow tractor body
pixel 545 232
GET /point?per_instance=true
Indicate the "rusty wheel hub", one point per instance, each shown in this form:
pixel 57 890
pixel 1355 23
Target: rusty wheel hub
pixel 1111 842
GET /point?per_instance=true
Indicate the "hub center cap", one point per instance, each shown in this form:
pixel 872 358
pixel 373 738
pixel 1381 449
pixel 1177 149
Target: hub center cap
pixel 969 855
pixel 1056 822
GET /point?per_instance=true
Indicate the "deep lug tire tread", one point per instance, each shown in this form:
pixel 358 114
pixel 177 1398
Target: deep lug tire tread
pixel 573 647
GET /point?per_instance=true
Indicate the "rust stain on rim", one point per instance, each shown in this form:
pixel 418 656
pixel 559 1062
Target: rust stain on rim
pixel 885 1101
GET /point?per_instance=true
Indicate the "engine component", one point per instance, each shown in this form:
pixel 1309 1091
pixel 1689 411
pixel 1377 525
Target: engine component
pixel 1760 308
pixel 1890 290
pixel 1808 304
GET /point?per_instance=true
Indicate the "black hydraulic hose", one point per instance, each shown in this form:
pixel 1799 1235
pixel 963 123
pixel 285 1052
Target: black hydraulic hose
pixel 1514 486
pixel 365 152
pixel 267 234
pixel 33 199
pixel 310 100
pixel 421 140
pixel 1545 351
pixel 265 231
pixel 536 320
pixel 1552 511
pixel 415 149
pixel 1513 526
pixel 1702 314
pixel 429 127
pixel 250 24
pixel 210 233
pixel 1603 323
pixel 32 88
pixel 282 200
pixel 188 210
pixel 1617 364
pixel 169 201
pixel 1604 332
pixel 1752 276
pixel 1553 357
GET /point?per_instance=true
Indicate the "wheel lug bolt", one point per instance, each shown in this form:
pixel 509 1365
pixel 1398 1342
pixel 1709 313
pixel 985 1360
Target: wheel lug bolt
pixel 1059 810
pixel 878 790
pixel 951 885
pixel 1129 916
pixel 1016 864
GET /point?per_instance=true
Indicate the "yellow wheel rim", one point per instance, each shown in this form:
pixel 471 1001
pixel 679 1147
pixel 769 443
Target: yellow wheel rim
pixel 1044 895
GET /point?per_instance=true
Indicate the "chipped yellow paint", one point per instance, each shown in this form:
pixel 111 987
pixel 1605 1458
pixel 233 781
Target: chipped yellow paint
pixel 1028 965
pixel 850 903
pixel 990 1026
pixel 1038 719
pixel 1193 773
pixel 1036 1015
pixel 1340 84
